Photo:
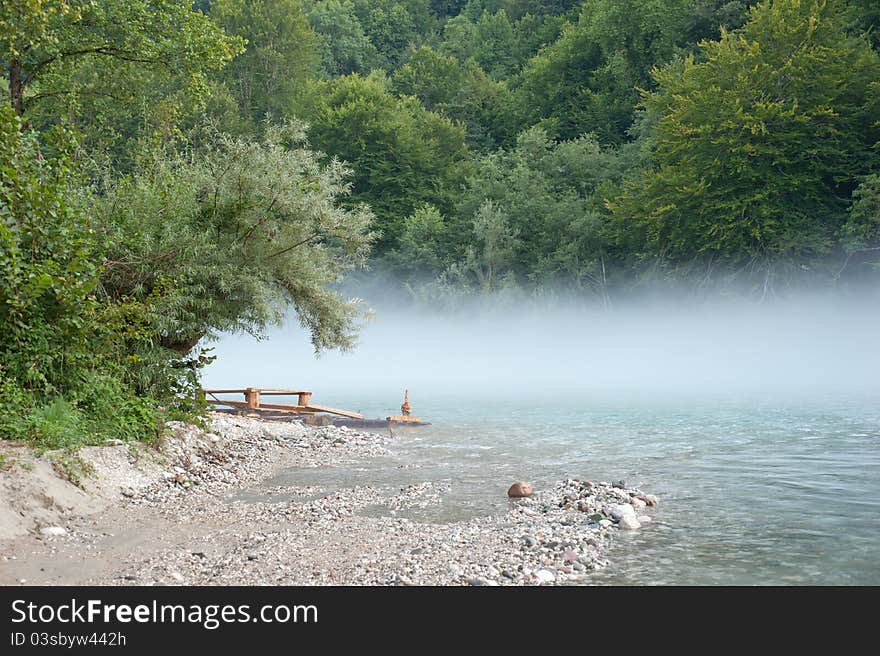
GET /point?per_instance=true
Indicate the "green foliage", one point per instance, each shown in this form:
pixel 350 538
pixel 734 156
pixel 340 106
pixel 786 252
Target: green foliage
pixel 345 46
pixel 402 154
pixel 462 92
pixel 111 68
pixel 759 145
pixel 394 26
pixel 226 237
pixel 421 245
pixel 59 385
pixel 587 80
pixel 281 53
pixel 548 197
pixel 47 258
pixel 862 228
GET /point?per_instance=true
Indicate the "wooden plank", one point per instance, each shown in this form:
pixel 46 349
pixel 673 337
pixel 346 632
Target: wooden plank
pixel 238 391
pixel 335 411
pixel 300 409
pixel 237 404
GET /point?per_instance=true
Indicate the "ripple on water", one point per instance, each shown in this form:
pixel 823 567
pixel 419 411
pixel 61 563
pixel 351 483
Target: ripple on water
pixel 749 494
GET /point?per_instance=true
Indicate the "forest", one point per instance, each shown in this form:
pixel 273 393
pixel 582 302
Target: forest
pixel 170 171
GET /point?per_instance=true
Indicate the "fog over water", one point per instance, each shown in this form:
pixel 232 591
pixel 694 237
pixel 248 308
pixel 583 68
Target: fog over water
pixel 784 348
pixel 758 424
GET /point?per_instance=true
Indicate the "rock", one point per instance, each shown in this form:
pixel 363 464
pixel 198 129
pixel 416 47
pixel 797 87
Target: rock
pixel 638 503
pixel 529 541
pixel 477 581
pixel 545 576
pixel 629 523
pixel 622 510
pixel 620 485
pixel 651 500
pixel 520 489
pixel 644 519
pixel 605 523
pixel 571 556
pixel 52 531
pixel 177 576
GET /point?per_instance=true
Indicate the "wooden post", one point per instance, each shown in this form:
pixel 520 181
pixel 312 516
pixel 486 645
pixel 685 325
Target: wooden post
pixel 200 396
pixel 252 398
pixel 304 398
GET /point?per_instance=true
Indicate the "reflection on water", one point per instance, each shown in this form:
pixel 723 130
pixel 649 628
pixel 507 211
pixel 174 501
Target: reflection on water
pixel 751 493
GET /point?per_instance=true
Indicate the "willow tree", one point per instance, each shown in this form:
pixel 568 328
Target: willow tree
pixel 229 237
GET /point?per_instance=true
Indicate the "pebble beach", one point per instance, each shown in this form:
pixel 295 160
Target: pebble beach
pixel 197 511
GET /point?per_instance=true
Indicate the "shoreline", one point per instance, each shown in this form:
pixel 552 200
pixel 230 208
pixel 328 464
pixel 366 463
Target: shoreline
pixel 180 516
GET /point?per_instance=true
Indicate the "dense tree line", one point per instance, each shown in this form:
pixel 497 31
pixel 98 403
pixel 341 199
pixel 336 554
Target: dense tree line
pixel 170 170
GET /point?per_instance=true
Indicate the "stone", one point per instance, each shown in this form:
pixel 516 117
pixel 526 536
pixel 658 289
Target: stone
pixel 623 510
pixel 644 519
pixel 53 531
pixel 620 485
pixel 649 499
pixel 545 576
pixel 629 523
pixel 638 503
pixel 519 490
pixel 605 523
pixel 571 556
pixel 177 576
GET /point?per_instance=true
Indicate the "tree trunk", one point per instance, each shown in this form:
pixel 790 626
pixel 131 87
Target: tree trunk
pixel 179 344
pixel 16 88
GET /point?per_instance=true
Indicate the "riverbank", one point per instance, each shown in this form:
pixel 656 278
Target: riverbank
pixel 194 512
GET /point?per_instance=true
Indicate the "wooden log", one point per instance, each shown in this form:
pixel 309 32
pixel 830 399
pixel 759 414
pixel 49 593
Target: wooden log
pixel 252 397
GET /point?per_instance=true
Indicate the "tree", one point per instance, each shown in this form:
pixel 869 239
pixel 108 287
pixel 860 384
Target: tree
pixel 586 80
pixel 760 144
pixel 345 45
pixel 861 232
pixel 46 43
pixel 420 251
pixel 403 155
pixel 281 54
pixel 61 382
pixel 550 196
pixel 393 26
pixel 48 253
pixel 462 92
pixel 228 237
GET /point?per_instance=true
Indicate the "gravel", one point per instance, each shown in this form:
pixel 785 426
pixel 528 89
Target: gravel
pixel 189 525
